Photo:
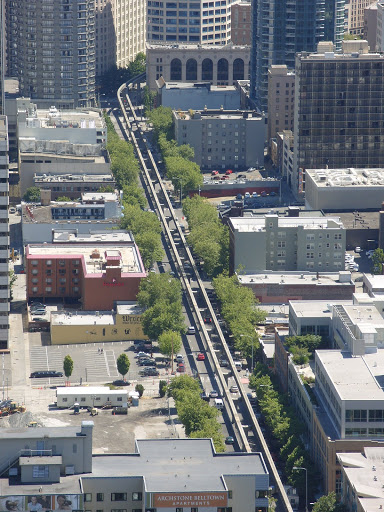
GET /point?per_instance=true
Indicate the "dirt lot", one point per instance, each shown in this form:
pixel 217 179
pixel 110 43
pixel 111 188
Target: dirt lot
pixel 111 434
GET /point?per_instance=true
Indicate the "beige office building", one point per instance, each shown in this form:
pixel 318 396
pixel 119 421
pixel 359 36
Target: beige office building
pixel 281 100
pixel 219 65
pixel 120 32
pixel 354 16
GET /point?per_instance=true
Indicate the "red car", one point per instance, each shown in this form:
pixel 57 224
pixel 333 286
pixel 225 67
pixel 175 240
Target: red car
pixel 207 320
pixel 200 357
pixel 181 368
pixel 229 172
pixel 213 173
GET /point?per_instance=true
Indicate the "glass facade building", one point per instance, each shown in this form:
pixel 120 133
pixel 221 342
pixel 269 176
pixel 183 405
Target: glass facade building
pixel 281 29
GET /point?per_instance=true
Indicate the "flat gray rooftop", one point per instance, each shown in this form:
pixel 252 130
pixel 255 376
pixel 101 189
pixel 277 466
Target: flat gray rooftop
pixel 179 465
pixel 37 433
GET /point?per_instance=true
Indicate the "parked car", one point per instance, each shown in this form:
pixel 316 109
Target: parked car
pixel 213 394
pixel 151 372
pixel 357 249
pixel 224 363
pixel 273 193
pixel 234 389
pixel 46 373
pixel 228 172
pixel 214 173
pixel 121 383
pixel 207 320
pixel 38 312
pixel 179 358
pixel 191 330
pixel 263 193
pixel 181 368
pixel 204 396
pixel 247 195
pixel 229 440
pixel 254 195
pixel 141 354
pixel 201 357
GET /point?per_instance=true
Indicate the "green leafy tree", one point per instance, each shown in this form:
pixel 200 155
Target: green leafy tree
pixel 110 81
pixel 63 199
pixel 151 248
pixel 211 428
pixel 193 412
pixel 162 388
pixel 123 364
pixel 181 170
pixel 311 342
pixel 300 355
pixel 159 287
pixel 134 195
pixel 162 121
pixel 148 99
pixel 68 366
pixel 169 343
pixel 106 188
pixel 326 503
pixel 378 261
pixel 162 317
pixel 32 195
pixel 181 384
pixel 140 389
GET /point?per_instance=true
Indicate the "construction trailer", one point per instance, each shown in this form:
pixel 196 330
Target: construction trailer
pixel 91 396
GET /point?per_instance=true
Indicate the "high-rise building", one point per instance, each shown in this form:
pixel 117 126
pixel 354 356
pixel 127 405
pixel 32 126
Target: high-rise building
pixel 280 30
pixel 120 32
pixel 281 100
pixel 189 22
pixel 339 110
pixel 4 234
pixel 51 50
pixel 354 15
pixel 241 24
pixel 370 25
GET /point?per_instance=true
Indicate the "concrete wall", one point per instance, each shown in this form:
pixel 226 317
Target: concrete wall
pixel 60 166
pixel 199 97
pixel 342 198
pixel 75 451
pixel 249 251
pixel 107 486
pixel 27 476
pixel 40 233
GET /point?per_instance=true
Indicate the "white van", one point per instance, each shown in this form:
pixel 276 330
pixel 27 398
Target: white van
pixel 219 404
pixel 238 365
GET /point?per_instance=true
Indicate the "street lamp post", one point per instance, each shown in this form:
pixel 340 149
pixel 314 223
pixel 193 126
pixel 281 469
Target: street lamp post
pixel 253 341
pixel 306 484
pixel 181 187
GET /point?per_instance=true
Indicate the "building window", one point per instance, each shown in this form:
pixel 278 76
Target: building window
pixel 61 263
pixel 76 262
pixel 35 280
pixel 118 496
pixel 48 289
pixel 62 289
pixel 34 263
pixel 40 472
pixel 194 510
pixel 137 496
pixel 88 496
pixel 179 509
pixel 376 415
pixel 35 272
pixel 230 495
pixel 355 415
pixel 62 271
pixel 48 272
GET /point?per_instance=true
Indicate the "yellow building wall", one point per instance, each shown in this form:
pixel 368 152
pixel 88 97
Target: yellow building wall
pixel 126 328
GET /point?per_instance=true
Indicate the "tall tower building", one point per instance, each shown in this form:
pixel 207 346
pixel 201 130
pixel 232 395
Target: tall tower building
pixel 339 110
pixel 4 234
pixel 281 29
pixel 189 22
pixel 120 32
pixel 51 50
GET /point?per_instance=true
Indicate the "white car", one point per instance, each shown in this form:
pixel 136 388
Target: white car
pixel 357 249
pixel 247 195
pixel 191 330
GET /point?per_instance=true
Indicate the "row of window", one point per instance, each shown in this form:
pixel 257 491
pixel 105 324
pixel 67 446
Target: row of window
pixel 361 415
pixel 115 496
pixel 48 263
pixel 62 290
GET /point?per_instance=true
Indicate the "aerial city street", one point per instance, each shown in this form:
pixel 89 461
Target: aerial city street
pixel 191 256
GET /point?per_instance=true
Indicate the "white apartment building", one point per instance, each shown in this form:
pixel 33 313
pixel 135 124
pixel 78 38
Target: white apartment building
pixel 120 32
pixel 202 22
pixel 4 234
pixel 60 141
pixel 270 242
pixel 51 50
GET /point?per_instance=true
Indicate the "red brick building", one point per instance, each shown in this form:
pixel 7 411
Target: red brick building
pixel 91 269
pixel 241 23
